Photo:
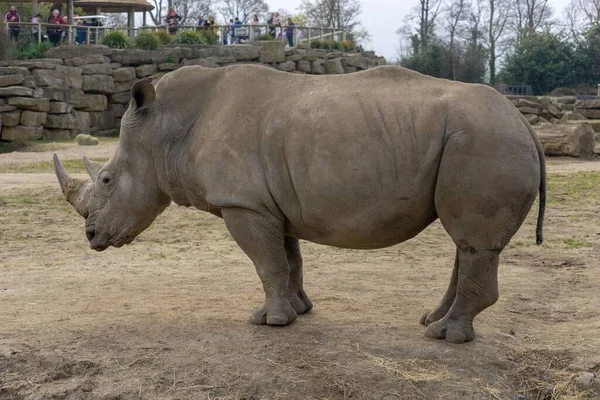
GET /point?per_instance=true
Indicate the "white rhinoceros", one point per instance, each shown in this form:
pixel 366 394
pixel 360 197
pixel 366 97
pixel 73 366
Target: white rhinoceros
pixel 361 161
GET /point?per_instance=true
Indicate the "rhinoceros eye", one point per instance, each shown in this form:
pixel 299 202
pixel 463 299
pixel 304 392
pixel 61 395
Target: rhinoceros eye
pixel 106 180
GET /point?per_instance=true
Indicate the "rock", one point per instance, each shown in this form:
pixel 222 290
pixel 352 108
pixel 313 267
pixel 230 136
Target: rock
pixel 567 100
pixel 59 134
pixel 318 67
pixel 588 112
pixel 270 51
pixel 101 121
pixel 15 91
pixel 555 121
pixel 29 81
pixel 98 84
pixel 243 52
pixel 588 104
pixel 59 107
pixel 313 56
pixel 108 132
pixel 84 121
pixel 144 70
pixel 114 66
pixel 96 69
pixel 6 108
pixel 223 60
pixel 124 86
pixel 567 140
pixel 86 60
pixel 124 74
pixel 532 118
pixel 203 62
pixel 349 70
pixel 86 140
pixel 47 77
pixel 38 93
pixel 595 124
pixel 552 111
pixel 28 103
pixel 334 66
pixel 61 121
pixel 528 110
pixel 118 110
pixel 77 51
pixel 14 71
pixel 72 76
pixel 11 80
pixel 333 54
pixel 137 57
pixel 32 118
pixel 303 66
pixel 168 67
pixel 89 102
pixel 21 132
pixel 356 60
pixel 46 63
pixel 287 66
pixel 545 101
pixel 543 120
pixel 526 103
pixel 295 57
pixel 11 118
pixel 572 117
pixel 120 98
pixel 54 93
pixel 586 380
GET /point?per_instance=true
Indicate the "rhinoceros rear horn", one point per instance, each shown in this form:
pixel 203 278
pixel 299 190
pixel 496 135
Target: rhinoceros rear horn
pixel 73 189
pixel 93 168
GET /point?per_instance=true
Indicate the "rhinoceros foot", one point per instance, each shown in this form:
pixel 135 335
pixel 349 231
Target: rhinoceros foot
pixel 300 303
pixel 453 331
pixel 273 315
pixel 431 317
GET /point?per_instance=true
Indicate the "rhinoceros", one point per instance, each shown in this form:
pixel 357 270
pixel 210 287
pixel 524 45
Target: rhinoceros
pixel 360 161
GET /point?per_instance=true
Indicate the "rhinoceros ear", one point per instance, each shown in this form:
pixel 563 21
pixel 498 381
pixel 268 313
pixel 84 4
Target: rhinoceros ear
pixel 142 94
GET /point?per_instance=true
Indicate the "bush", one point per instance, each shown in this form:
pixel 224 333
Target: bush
pixel 115 40
pixel 162 36
pixel 188 37
pixel 29 50
pixel 325 45
pixel 146 41
pixel 337 46
pixel 348 45
pixel 266 37
pixel 315 44
pixel 86 140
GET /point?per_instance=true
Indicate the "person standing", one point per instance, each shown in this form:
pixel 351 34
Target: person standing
pixel 277 24
pixel 55 32
pixel 35 29
pixel 13 17
pixel 270 26
pixel 289 32
pixel 254 27
pixel 172 21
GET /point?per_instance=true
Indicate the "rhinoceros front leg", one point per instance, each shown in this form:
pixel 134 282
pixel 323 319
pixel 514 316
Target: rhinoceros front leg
pixel 447 301
pixel 298 298
pixel 261 238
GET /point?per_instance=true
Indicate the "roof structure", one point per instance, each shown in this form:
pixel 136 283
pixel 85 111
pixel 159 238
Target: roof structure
pixel 114 6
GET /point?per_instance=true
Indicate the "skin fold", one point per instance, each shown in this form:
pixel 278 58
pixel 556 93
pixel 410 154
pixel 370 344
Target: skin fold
pixel 361 161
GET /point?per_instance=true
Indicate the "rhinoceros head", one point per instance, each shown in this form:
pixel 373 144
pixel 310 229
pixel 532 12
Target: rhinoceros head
pixel 123 198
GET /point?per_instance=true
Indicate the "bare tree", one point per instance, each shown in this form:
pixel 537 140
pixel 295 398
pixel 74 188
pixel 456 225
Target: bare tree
pixel 332 13
pixel 188 10
pixel 455 24
pixel 496 17
pixel 242 9
pixel 589 9
pixel 529 15
pixel 428 11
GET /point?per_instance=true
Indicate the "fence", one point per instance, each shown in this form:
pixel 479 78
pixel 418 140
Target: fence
pixel 227 34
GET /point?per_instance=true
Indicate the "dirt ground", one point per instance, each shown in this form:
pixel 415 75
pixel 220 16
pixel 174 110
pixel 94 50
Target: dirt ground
pixel 167 316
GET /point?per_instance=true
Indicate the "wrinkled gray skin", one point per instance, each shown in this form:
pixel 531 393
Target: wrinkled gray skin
pixel 360 161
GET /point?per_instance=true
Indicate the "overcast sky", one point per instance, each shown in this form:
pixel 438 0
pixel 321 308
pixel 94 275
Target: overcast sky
pixel 383 17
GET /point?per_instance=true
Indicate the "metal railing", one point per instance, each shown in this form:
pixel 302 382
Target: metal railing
pixel 226 34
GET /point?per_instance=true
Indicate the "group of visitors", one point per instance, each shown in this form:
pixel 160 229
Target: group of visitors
pixel 55 33
pixel 273 28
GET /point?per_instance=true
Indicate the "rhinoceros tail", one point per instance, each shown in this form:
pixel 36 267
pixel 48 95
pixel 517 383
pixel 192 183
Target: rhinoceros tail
pixel 542 208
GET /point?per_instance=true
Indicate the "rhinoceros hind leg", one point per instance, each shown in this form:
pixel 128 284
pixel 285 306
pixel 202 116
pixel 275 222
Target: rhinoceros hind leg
pixel 262 239
pixel 298 298
pixel 447 301
pixel 477 289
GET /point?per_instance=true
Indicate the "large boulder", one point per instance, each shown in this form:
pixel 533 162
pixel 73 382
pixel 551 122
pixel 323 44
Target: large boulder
pixel 137 57
pixel 98 84
pixel 6 108
pixel 270 51
pixel 14 71
pixel 118 110
pixel 21 132
pixel 11 118
pixel 356 60
pixel 46 63
pixel 572 117
pixel 76 51
pixel 59 134
pixel 334 66
pixel 28 103
pixel 243 52
pixel 124 74
pixel 532 118
pixel 89 102
pixel 101 121
pixel 120 98
pixel 84 121
pixel 588 104
pixel 65 77
pixel 288 66
pixel 124 86
pixel 15 91
pixel 317 67
pixel 33 118
pixel 61 121
pixel 567 139
pixel 529 111
pixel 589 113
pixel 96 69
pixel 203 62
pixel 303 66
pixel 86 60
pixel 11 80
pixel 145 70
pixel 59 107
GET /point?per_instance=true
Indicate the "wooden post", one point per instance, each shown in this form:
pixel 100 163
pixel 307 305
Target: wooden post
pixel 130 22
pixel 34 7
pixel 144 21
pixel 308 37
pixel 70 13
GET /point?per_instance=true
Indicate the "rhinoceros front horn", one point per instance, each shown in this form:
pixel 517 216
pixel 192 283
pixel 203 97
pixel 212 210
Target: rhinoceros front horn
pixel 74 189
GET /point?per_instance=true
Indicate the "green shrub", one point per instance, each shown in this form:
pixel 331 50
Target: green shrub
pixel 115 40
pixel 265 36
pixel 315 44
pixel 325 45
pixel 169 60
pixel 188 37
pixel 337 46
pixel 29 50
pixel 146 41
pixel 162 36
pixel 209 37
